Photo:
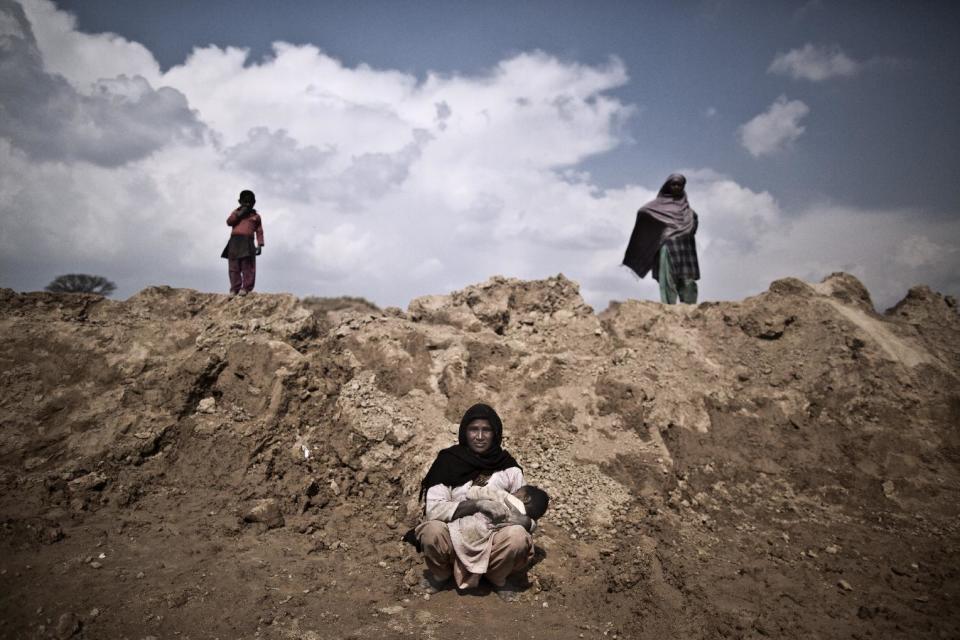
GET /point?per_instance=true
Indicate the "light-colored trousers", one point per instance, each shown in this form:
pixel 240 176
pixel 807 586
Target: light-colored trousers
pixel 512 550
pixel 671 288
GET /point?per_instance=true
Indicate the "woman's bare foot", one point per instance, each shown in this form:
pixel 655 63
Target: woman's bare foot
pixel 430 585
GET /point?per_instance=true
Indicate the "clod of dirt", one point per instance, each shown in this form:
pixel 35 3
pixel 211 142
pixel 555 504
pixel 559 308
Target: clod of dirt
pixel 207 405
pixel 266 511
pixel 68 625
pixel 90 482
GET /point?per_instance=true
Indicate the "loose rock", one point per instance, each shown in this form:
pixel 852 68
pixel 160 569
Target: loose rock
pixel 266 511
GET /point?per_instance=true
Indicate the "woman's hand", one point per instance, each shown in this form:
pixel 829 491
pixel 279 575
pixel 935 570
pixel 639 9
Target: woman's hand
pixel 499 513
pixel 464 508
pixel 515 517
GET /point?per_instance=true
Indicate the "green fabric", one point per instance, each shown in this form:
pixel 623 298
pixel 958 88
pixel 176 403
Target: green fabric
pixel 688 291
pixel 670 290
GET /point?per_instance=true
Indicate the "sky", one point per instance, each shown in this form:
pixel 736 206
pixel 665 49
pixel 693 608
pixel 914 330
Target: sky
pixel 401 149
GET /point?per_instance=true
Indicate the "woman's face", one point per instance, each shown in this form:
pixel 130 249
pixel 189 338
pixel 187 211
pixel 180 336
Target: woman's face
pixel 479 435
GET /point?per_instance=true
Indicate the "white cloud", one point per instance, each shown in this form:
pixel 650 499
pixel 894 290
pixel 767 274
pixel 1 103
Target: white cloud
pixel 775 128
pixel 428 268
pixel 275 156
pixel 83 58
pixel 815 63
pixel 746 216
pixel 824 238
pixel 919 251
pixel 118 120
pixel 338 252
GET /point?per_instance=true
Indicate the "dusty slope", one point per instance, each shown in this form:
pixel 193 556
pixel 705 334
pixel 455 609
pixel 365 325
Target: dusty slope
pixel 181 465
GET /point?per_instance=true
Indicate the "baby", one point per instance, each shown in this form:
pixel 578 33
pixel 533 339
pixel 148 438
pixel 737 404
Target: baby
pixel 470 535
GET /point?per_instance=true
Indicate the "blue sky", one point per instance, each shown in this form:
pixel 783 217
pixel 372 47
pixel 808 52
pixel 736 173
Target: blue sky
pixel 387 139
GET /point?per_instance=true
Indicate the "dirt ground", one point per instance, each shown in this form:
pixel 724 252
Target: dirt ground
pixel 184 465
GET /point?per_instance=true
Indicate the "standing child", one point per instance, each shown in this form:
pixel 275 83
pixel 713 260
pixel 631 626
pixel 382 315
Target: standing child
pixel 240 252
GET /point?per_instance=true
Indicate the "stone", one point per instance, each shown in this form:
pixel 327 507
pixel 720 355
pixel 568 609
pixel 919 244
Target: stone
pixel 207 405
pixel 391 610
pixel 412 577
pixel 51 535
pixel 90 482
pixel 265 511
pixel 67 626
pixel 770 326
pixel 843 584
pixel 888 488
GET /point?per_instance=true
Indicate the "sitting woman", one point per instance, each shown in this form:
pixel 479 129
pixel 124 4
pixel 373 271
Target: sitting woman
pixel 476 460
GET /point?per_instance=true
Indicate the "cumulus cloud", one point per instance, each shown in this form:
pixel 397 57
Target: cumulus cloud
pixel 121 119
pixel 775 128
pixel 81 58
pixel 275 157
pixel 428 268
pixel 815 63
pixel 917 251
pixel 814 242
pixel 338 252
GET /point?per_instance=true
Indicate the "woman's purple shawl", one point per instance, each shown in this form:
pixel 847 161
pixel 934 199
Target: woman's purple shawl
pixel 662 218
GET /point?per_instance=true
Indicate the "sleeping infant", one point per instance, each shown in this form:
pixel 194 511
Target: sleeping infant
pixel 471 535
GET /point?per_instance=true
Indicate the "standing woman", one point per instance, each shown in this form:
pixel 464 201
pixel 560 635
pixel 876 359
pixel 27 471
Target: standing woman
pixel 476 459
pixel 663 242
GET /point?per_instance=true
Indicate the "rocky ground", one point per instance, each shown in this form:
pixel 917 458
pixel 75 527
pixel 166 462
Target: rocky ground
pixel 184 465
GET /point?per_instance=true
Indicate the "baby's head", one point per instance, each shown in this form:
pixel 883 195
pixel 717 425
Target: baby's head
pixel 535 500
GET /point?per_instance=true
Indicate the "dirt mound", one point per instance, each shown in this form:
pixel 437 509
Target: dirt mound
pixel 331 311
pixel 784 466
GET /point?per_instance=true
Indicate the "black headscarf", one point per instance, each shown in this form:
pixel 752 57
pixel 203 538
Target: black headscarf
pixel 459 464
pixel 674 212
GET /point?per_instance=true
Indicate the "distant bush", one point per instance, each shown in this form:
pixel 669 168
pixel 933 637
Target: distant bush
pixel 81 283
